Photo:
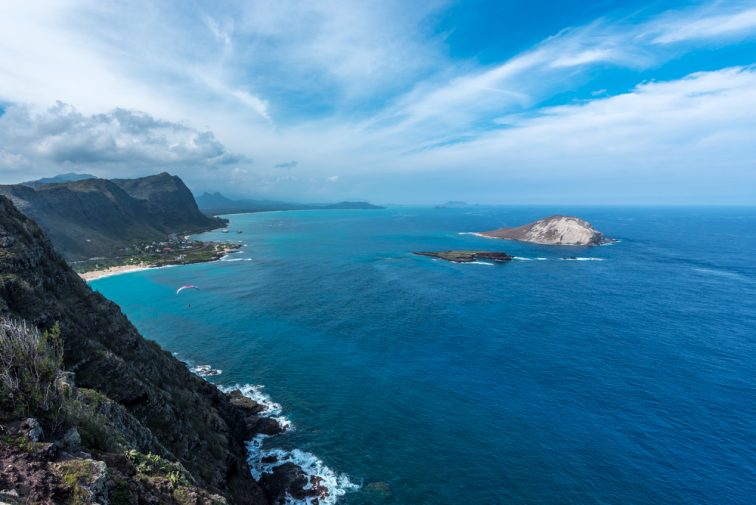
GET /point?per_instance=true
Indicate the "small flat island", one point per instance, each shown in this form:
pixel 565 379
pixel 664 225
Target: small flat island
pixel 467 256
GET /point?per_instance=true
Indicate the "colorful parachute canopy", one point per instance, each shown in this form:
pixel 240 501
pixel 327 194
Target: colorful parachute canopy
pixel 188 286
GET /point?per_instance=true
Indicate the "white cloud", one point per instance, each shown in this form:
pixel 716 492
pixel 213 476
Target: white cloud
pixel 705 23
pixel 358 89
pixel 693 134
pixel 120 141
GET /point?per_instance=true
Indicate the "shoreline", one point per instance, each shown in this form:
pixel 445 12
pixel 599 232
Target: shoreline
pixel 94 275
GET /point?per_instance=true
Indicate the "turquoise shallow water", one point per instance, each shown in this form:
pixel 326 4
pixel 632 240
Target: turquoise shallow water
pixel 627 379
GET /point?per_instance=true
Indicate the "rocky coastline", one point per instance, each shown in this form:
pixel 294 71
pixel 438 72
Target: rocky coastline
pixel 123 420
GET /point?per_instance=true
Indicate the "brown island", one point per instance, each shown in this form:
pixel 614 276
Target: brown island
pixel 467 256
pixel 553 230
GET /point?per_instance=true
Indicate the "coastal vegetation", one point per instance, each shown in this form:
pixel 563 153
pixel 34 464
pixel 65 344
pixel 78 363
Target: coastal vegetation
pixel 175 251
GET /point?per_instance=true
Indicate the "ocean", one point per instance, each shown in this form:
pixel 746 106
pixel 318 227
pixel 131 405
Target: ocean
pixel 620 374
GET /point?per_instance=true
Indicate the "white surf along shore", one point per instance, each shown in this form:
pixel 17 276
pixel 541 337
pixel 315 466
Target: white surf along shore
pixel 329 484
pixel 320 477
pixel 93 275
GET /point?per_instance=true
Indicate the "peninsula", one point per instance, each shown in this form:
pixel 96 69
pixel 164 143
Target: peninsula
pixel 553 230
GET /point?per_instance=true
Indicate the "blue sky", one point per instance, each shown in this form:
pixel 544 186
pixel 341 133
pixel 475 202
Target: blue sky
pixel 605 102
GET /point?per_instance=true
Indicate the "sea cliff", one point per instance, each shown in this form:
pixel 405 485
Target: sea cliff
pixel 122 395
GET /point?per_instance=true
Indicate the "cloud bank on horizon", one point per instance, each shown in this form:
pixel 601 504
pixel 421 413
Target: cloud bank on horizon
pixel 479 100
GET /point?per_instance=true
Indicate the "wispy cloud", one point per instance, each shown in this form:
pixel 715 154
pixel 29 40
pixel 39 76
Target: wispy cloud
pixel 678 133
pixel 367 90
pixel 708 22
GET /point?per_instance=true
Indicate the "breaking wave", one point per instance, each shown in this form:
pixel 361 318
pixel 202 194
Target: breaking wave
pixel 255 393
pixel 205 370
pixel 475 233
pixel 583 259
pixel 325 484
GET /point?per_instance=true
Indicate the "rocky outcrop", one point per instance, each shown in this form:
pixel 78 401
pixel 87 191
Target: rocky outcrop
pixel 554 230
pixel 467 256
pixel 97 217
pixel 124 384
pixel 41 473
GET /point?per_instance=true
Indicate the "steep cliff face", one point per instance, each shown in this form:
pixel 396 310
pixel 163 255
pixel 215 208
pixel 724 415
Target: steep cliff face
pixel 168 203
pixel 554 230
pixel 182 417
pixel 98 217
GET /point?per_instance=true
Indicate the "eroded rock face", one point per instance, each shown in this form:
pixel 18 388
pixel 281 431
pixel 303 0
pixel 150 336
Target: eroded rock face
pixel 32 429
pixel 146 395
pixel 289 479
pixel 553 230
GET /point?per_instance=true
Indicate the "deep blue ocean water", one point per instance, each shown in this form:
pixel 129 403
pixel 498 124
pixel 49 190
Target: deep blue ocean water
pixel 621 381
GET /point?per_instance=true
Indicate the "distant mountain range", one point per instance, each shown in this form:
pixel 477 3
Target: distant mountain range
pixel 69 177
pixel 454 204
pixel 216 203
pixel 87 217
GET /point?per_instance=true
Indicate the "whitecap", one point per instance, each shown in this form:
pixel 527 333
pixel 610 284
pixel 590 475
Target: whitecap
pixel 226 259
pixel 583 259
pixel 329 484
pixel 262 461
pixel 478 263
pixel 720 273
pixel 255 392
pixel 205 370
pixel 477 234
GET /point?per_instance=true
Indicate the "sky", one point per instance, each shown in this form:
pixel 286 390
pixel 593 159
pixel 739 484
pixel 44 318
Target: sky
pixel 485 101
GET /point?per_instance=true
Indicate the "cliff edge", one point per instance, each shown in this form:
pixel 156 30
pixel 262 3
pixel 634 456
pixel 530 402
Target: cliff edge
pixel 132 396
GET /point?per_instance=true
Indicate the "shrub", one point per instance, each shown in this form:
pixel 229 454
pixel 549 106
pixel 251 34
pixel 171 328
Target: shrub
pixel 30 361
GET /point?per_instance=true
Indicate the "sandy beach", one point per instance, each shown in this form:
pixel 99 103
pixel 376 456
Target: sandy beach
pixel 116 270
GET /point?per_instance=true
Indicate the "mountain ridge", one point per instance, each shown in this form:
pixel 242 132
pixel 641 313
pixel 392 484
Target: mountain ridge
pixel 100 217
pixel 183 417
pixel 216 203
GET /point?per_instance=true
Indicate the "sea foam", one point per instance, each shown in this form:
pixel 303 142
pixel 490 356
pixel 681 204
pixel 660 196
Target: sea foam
pixel 227 259
pixel 205 370
pixel 329 484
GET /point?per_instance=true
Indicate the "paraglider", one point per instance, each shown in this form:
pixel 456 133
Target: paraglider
pixel 188 286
